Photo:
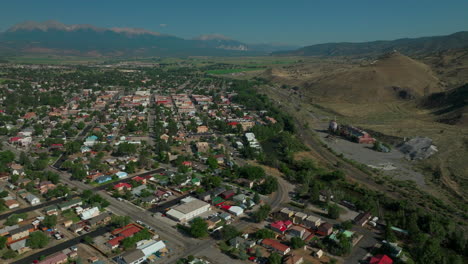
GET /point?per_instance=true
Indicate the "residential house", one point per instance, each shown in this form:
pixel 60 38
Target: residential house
pixel 103 179
pixel 236 210
pixel 312 221
pixel 202 129
pixel 57 258
pixel 134 256
pixel 325 229
pixel 70 204
pixel 77 227
pixel 149 247
pixel 240 198
pixel 137 190
pixel 276 246
pixel 299 217
pixel 238 241
pixel 11 204
pixel 297 231
pixel 281 226
pixel 121 174
pixel 46 186
pixel 139 179
pixel 20 246
pixel 205 196
pixel 381 259
pixel 150 199
pixel 202 146
pixel 293 259
pixel 89 213
pixel 32 199
pixel 20 233
pixel 246 183
pixel 286 213
pixel 362 218
pixel 122 186
pixel 227 194
pixel 101 219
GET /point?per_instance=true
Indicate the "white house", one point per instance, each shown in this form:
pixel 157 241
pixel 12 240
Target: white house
pixel 236 210
pixel 32 199
pixel 89 213
pixel 148 247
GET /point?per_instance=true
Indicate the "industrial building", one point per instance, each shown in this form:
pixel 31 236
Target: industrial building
pixel 188 209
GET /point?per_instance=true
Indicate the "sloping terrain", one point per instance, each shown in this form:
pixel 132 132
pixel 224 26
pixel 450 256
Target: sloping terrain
pixel 407 46
pixel 394 96
pixel 391 77
pixel 451 66
pixel 450 107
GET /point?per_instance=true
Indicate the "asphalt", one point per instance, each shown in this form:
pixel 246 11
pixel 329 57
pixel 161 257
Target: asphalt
pixel 163 207
pixel 32 208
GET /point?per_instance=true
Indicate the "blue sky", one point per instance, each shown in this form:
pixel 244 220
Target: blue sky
pixel 256 21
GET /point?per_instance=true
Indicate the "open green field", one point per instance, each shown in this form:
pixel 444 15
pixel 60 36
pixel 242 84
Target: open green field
pixel 228 71
pixel 260 61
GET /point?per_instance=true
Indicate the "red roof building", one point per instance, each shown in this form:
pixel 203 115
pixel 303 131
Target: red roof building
pixel 227 194
pixel 130 231
pixel 122 185
pixel 122 229
pixel 381 259
pixel 275 245
pixel 114 242
pixel 187 163
pixel 15 139
pixel 139 179
pixel 281 226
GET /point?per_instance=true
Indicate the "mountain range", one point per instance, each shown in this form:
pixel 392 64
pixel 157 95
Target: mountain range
pixel 52 37
pixel 408 46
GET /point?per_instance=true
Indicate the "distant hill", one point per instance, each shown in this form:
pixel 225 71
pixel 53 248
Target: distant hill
pixel 52 37
pixel 391 77
pixel 407 46
pixel 451 66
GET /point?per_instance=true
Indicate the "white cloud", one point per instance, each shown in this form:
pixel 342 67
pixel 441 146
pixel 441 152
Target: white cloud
pixel 163 25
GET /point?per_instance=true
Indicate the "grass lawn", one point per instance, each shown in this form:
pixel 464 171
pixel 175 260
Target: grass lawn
pixel 70 215
pixel 227 71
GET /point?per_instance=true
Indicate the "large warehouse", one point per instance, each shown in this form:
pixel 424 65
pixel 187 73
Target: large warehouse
pixel 189 208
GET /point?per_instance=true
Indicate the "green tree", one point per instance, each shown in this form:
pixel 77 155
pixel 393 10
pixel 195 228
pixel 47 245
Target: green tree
pixel 229 232
pixel 198 228
pixel 297 242
pixel 333 211
pixel 9 254
pixel 389 234
pixel 269 186
pixel 24 159
pixel 256 198
pixel 50 221
pixel 212 162
pixel 37 240
pixel 262 213
pixel 3 240
pixel 274 258
pixel 264 233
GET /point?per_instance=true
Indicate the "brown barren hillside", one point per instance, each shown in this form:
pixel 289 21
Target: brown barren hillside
pixel 391 77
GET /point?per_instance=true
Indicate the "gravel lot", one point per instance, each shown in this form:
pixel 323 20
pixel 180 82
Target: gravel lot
pixel 363 153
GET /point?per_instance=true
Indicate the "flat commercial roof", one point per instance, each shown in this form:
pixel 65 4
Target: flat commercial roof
pixel 190 206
